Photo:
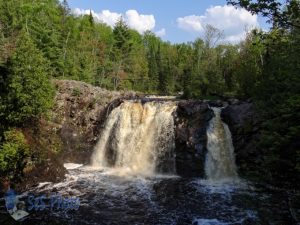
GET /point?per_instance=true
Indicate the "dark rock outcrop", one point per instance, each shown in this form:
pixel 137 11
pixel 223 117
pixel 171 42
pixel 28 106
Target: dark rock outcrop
pixel 191 121
pixel 244 125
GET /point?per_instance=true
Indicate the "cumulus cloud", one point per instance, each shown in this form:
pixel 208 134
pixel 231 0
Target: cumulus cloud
pixel 107 17
pixel 232 21
pixel 161 33
pixel 190 23
pixel 140 22
pixel 136 21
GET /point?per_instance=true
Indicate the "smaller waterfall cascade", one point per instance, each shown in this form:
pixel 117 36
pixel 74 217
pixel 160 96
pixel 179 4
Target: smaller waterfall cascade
pixel 220 159
pixel 138 138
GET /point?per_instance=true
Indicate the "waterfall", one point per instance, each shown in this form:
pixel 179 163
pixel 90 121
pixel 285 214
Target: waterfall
pixel 138 138
pixel 220 159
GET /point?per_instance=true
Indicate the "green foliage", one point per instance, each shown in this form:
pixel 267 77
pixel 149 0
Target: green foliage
pixel 278 95
pixel 248 66
pixel 268 70
pixel 122 44
pixel 80 48
pixel 279 13
pixel 29 90
pixel 76 92
pixel 13 153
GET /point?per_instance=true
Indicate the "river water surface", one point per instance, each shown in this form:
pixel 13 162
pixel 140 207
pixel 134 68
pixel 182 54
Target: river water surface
pixel 108 198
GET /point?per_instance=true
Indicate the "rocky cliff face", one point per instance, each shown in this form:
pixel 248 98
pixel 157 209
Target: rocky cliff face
pixel 80 110
pixel 191 121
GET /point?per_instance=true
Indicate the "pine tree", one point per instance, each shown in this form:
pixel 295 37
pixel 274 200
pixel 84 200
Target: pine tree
pixel 122 48
pixel 151 43
pixel 187 73
pixel 30 92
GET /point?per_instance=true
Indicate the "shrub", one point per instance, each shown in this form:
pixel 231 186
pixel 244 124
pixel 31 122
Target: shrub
pixel 76 92
pixel 13 153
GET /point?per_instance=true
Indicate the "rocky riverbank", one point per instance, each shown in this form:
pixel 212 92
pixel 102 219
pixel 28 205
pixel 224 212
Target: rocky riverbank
pixel 72 128
pixel 69 132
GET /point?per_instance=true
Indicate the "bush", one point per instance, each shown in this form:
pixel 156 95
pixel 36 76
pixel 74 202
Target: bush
pixel 76 92
pixel 13 153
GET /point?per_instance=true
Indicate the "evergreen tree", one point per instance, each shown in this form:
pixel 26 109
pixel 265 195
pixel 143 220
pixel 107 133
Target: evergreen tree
pixel 122 45
pixel 30 92
pixel 187 83
pixel 122 48
pixel 151 43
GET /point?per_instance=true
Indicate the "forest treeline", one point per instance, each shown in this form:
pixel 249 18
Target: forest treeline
pixel 41 40
pixel 80 48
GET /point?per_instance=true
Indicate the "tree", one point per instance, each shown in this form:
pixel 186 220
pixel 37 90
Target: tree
pixel 272 61
pixel 165 69
pixel 187 73
pixel 121 50
pixel 279 13
pixel 65 9
pixel 212 36
pixel 249 63
pixel 227 59
pixel 137 63
pixel 29 90
pixel 151 43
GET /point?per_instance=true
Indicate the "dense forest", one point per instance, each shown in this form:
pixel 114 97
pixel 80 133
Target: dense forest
pixel 42 40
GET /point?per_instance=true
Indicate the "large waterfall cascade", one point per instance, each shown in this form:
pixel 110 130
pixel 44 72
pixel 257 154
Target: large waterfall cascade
pixel 220 159
pixel 137 138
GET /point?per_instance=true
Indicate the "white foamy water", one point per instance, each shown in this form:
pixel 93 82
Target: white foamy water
pixel 220 159
pixel 208 222
pixel 136 138
pixel 72 166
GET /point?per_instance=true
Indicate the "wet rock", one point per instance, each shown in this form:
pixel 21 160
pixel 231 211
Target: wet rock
pixel 51 170
pixel 191 120
pixel 244 125
pixel 233 101
pixel 217 103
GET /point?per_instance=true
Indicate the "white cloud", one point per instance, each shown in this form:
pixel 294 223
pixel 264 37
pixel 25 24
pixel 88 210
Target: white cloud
pixel 108 17
pixel 233 21
pixel 77 12
pixel 161 33
pixel 190 23
pixel 136 21
pixel 139 22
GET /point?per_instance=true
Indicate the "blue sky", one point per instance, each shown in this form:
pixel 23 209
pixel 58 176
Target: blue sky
pixel 173 20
